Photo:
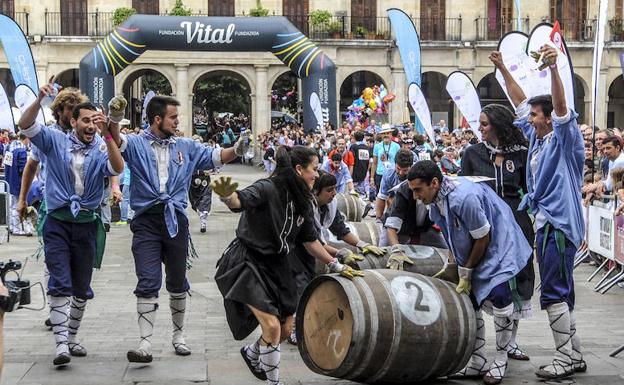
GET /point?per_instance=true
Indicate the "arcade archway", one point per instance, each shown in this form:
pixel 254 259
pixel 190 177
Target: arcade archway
pixel 221 98
pixel 139 83
pixel 352 87
pixel 615 112
pixel 285 97
pixel 440 105
pixel 68 78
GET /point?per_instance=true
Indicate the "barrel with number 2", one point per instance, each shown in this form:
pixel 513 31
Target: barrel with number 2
pixel 389 326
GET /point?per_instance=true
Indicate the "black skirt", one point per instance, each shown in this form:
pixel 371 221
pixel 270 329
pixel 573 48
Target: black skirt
pixel 525 279
pixel 245 277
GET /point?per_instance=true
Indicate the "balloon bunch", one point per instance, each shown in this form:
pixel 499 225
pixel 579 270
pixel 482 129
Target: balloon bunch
pixel 373 101
pixel 279 97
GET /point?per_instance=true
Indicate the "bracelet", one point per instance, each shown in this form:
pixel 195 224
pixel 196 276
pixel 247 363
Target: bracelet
pixel 108 137
pixel 116 186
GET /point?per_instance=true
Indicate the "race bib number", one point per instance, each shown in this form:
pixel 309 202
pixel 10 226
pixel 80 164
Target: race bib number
pixel 363 154
pixel 387 166
pixel 424 156
pixel 8 159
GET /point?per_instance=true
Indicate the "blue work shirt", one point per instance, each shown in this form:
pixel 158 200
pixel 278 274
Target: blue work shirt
pixel 13 170
pixel 388 182
pixel 385 155
pixel 185 157
pixel 466 211
pixel 555 189
pixel 60 184
pixel 342 175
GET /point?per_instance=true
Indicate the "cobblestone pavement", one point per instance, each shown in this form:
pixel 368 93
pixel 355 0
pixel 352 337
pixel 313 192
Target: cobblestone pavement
pixel 109 327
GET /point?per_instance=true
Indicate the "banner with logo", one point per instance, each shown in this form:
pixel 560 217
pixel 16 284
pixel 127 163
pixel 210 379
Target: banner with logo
pixel 150 94
pixel 6 114
pixel 601 238
pixel 464 94
pixel 24 97
pixel 541 35
pixel 521 67
pixel 619 239
pixel 194 33
pixel 419 105
pixel 599 43
pixel 408 42
pixel 17 52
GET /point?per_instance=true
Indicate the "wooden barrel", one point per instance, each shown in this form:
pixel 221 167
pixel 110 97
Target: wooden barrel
pixel 427 260
pixel 351 207
pixel 389 326
pixel 368 231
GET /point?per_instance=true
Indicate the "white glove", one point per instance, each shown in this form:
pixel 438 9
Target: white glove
pixel 117 108
pixel 242 144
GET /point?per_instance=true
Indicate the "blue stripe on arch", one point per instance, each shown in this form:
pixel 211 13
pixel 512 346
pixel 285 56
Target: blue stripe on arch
pixel 124 46
pixel 95 58
pixel 103 58
pixel 289 42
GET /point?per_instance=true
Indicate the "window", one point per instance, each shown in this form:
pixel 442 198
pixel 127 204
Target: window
pixel 147 7
pixel 297 12
pixel 432 20
pixel 500 18
pixel 221 8
pixel 364 15
pixel 572 16
pixel 74 18
pixel 7 7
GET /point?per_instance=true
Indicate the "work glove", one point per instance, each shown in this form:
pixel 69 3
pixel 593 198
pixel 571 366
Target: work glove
pixel 243 143
pixel 465 280
pixel 366 248
pixel 448 273
pixel 348 257
pixel 354 193
pixel 224 187
pixel 117 108
pixel 398 259
pixel 346 271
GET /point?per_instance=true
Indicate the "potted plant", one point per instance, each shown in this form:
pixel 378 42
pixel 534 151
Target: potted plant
pixel 259 11
pixel 179 9
pixel 319 20
pixel 360 31
pixel 336 29
pixel 122 14
pixel 616 26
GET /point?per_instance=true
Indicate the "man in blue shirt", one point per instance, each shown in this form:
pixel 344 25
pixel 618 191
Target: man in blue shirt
pixel 162 166
pixel 339 169
pixel 489 250
pixel 383 157
pixel 403 161
pixel 73 236
pixel 554 179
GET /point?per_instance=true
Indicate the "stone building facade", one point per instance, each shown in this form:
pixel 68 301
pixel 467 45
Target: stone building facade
pixel 455 35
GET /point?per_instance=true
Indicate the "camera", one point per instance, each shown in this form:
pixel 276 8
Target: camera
pixel 19 289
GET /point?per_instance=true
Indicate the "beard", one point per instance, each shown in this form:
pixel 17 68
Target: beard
pixel 165 133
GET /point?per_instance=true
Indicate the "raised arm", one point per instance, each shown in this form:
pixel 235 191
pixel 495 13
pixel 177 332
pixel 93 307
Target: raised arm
pixel 30 114
pixel 557 90
pixel 513 88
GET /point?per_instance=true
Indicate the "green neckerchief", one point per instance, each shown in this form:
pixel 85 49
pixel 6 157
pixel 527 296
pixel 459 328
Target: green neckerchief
pixel 515 296
pixel 86 216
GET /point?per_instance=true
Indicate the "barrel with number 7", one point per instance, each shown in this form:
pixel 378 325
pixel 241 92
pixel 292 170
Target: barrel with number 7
pixel 387 327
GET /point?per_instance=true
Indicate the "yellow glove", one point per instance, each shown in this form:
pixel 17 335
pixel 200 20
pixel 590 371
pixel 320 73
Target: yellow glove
pixel 354 193
pixel 117 108
pixel 350 273
pixel 465 280
pixel 224 187
pixel 348 257
pixel 346 271
pixel 366 248
pixel 448 273
pixel 398 259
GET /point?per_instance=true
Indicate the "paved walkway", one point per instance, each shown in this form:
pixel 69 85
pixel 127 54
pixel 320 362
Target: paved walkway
pixel 109 328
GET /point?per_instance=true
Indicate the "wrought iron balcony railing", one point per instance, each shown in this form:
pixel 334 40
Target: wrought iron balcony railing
pixel 492 29
pixel 78 23
pixel 21 18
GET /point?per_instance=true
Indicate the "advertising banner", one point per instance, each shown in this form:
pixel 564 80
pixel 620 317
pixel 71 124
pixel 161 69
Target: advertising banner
pixel 408 42
pixel 419 105
pixel 619 240
pixel 601 234
pixel 24 97
pixel 6 114
pixel 197 33
pixel 464 94
pixel 17 52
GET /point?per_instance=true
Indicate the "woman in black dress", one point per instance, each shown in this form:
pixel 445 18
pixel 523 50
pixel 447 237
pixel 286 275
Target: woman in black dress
pixel 254 274
pixel 502 155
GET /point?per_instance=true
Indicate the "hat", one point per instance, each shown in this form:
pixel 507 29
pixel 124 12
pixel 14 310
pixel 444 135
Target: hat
pixel 386 129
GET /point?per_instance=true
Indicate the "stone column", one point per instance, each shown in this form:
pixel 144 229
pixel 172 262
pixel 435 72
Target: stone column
pixel 602 100
pixel 399 89
pixel 182 92
pixel 263 106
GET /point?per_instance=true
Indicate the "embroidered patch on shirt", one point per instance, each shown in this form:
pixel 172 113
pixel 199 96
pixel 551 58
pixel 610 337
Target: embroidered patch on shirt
pixel 509 164
pixel 103 147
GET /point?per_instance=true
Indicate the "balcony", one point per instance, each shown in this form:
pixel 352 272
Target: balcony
pixel 578 30
pixel 492 29
pixel 21 18
pixel 378 28
pixel 616 28
pixel 78 24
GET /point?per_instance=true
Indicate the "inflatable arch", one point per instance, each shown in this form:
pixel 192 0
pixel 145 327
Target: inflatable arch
pixel 180 33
